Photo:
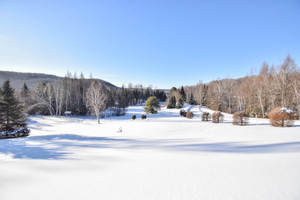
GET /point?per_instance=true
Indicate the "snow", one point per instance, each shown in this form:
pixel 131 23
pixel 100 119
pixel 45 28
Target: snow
pixel 165 156
pixel 284 109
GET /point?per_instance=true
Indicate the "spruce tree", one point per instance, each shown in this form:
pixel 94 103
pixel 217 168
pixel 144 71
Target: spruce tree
pixel 179 103
pixel 172 102
pixel 11 111
pixel 182 92
pixel 191 99
pixel 25 95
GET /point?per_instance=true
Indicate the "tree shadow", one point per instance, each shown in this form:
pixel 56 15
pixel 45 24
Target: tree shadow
pixel 57 147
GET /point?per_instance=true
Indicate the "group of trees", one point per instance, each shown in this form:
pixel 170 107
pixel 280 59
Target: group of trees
pixel 257 95
pixel 82 96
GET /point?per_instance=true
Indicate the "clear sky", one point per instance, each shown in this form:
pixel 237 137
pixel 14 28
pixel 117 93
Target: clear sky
pixel 162 43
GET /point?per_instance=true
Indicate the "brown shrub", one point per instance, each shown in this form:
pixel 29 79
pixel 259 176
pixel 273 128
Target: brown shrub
pixel 217 117
pixel 206 116
pixel 240 118
pixel 184 114
pixel 189 115
pixel 282 117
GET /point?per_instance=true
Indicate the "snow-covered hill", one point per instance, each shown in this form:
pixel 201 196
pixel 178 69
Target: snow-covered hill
pixel 165 156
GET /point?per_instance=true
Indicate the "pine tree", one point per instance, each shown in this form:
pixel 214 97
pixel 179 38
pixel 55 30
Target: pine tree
pixel 172 102
pixel 11 111
pixel 152 105
pixel 25 95
pixel 179 103
pixel 183 95
pixel 191 100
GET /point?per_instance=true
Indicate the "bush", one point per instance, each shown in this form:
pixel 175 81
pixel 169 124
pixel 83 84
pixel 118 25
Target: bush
pixel 184 114
pixel 133 117
pixel 217 117
pixel 21 132
pixel 190 115
pixel 144 116
pixel 206 116
pixel 240 118
pixel 181 112
pixel 282 117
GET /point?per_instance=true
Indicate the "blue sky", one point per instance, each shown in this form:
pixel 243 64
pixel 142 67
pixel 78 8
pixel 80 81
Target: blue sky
pixel 162 43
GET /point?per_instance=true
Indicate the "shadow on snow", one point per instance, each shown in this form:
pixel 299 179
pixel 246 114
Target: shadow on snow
pixel 58 146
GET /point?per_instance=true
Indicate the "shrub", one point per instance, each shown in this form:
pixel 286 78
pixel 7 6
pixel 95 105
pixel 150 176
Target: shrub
pixel 181 112
pixel 240 118
pixel 184 114
pixel 189 115
pixel 133 117
pixel 217 117
pixel 20 132
pixel 206 116
pixel 144 116
pixel 282 117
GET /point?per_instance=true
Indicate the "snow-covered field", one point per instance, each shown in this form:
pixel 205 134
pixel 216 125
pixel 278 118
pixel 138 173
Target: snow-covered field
pixel 163 157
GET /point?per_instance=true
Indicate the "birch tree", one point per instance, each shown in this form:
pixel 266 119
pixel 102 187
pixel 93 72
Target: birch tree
pixel 96 98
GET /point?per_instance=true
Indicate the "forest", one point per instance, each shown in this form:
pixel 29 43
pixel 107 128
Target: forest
pixel 256 94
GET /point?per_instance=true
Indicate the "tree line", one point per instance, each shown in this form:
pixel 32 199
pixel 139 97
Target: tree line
pixel 257 94
pixel 81 96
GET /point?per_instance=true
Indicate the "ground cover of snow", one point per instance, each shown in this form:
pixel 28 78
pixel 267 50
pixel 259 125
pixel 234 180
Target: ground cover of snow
pixel 165 156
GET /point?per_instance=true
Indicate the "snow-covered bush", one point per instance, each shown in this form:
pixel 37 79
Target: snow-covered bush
pixel 217 117
pixel 206 116
pixel 144 116
pixel 20 132
pixel 189 115
pixel 282 117
pixel 133 117
pixel 240 118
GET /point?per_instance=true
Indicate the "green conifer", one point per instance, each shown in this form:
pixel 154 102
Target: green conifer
pixel 11 111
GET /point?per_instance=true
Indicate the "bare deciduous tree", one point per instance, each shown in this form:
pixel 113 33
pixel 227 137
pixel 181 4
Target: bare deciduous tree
pixel 96 98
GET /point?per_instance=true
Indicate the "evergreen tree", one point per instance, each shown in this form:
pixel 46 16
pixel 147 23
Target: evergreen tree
pixel 11 111
pixel 172 102
pixel 152 105
pixel 25 95
pixel 191 100
pixel 182 92
pixel 180 103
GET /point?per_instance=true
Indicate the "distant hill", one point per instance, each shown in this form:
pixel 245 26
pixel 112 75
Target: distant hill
pixel 17 79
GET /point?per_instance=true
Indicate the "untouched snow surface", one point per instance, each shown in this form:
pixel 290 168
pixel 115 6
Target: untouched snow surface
pixel 163 157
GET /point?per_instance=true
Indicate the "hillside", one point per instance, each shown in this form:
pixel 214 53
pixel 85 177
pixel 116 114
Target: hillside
pixel 32 79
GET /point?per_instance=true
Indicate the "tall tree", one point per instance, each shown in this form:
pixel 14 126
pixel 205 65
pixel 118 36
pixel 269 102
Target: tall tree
pixel 11 111
pixel 97 98
pixel 182 92
pixel 25 95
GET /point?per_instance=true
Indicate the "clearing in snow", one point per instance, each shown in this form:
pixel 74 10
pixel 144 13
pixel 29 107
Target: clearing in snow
pixel 165 156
